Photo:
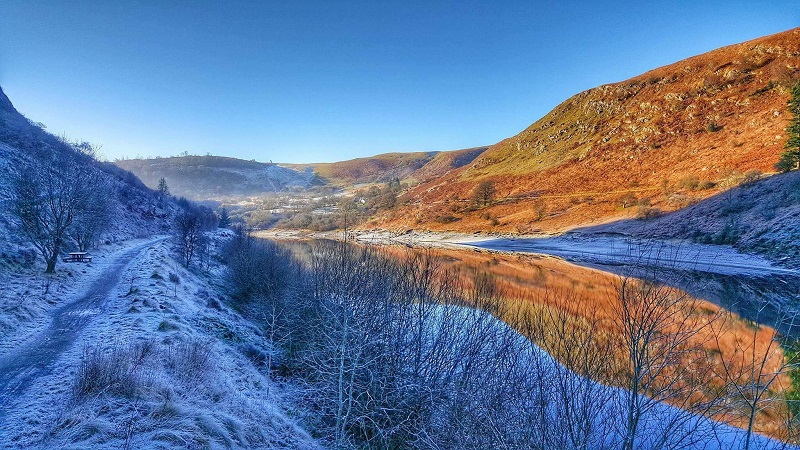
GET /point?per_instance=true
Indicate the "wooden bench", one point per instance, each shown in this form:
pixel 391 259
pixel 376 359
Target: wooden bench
pixel 78 257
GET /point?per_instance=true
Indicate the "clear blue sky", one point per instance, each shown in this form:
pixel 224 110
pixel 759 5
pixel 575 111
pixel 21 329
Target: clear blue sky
pixel 308 81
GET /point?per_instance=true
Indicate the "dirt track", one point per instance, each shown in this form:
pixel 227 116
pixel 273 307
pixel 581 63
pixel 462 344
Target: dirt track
pixel 35 358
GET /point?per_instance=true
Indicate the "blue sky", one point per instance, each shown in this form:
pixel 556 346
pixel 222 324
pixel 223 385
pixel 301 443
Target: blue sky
pixel 312 81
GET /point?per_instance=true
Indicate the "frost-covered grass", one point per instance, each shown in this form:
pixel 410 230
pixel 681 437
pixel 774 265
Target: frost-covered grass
pixel 162 366
pixel 28 295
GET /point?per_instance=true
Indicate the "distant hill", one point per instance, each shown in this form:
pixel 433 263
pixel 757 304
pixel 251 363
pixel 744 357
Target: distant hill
pixel 416 166
pixel 662 140
pixel 218 177
pixel 444 162
pixel 373 169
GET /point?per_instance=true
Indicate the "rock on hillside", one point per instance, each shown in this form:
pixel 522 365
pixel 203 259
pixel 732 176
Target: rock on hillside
pixel 217 177
pixel 692 128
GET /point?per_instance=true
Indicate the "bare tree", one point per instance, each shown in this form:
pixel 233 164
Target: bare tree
pixel 94 218
pixel 189 235
pixel 573 397
pixel 46 201
pixel 755 371
pixel 664 362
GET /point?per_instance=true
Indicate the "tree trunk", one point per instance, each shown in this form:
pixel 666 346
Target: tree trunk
pixel 750 422
pixel 51 263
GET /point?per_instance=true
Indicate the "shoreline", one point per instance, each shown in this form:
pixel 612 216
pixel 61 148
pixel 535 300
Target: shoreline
pixel 591 250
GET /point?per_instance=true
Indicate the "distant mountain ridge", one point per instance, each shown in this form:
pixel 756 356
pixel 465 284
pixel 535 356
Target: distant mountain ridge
pixel 218 177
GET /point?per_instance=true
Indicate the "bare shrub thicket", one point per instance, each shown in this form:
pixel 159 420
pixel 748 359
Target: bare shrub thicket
pixel 758 374
pixel 395 352
pixel 664 362
pixel 580 344
pixel 189 227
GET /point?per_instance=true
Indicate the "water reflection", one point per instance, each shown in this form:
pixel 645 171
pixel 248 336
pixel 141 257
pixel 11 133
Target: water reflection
pixel 764 299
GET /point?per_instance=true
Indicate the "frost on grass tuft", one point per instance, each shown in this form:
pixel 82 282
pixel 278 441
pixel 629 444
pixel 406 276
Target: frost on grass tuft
pixel 117 370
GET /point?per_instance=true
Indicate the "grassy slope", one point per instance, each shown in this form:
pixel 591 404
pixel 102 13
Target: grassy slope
pixel 379 168
pixel 712 116
pixel 444 162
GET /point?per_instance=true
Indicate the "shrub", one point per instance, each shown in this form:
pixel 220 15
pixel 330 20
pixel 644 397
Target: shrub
pixel 627 200
pixel 690 183
pixel 190 360
pixel 704 185
pixel 682 200
pixel 540 210
pixel 447 219
pixel 647 212
pixel 114 371
pixel 728 235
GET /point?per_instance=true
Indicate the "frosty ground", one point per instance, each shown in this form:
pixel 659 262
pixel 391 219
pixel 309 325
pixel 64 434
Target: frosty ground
pixel 194 386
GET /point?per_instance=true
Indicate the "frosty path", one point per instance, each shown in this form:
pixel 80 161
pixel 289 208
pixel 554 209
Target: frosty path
pixel 35 358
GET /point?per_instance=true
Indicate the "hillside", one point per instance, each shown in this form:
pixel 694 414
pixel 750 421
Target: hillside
pixel 444 162
pixel 662 140
pixel 373 169
pixel 416 166
pixel 129 210
pixel 134 209
pixel 217 177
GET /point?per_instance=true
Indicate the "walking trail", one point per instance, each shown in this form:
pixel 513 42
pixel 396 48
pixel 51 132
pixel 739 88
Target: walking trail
pixel 36 358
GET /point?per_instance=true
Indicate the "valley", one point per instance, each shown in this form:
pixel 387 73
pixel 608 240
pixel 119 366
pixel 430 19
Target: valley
pixel 621 274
